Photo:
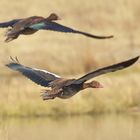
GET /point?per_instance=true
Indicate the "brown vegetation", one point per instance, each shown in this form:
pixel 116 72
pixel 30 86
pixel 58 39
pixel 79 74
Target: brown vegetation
pixel 70 55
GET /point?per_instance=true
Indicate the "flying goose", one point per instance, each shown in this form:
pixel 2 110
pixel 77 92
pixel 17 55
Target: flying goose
pixel 62 87
pixel 32 24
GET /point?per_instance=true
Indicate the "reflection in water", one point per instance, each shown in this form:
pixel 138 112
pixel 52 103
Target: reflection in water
pixel 108 127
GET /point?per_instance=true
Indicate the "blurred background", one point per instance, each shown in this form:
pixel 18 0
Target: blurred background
pixel 71 56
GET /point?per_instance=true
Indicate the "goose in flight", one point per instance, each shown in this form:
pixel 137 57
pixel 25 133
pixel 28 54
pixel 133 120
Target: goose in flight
pixel 61 87
pixel 32 24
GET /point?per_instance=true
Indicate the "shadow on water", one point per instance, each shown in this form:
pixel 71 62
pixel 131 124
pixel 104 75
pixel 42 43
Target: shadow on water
pixel 98 127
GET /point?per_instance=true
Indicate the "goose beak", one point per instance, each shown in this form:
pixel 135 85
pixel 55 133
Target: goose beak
pixel 58 18
pixel 100 86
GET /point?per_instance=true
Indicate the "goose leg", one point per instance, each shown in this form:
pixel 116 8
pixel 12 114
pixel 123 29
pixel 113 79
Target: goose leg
pixel 47 94
pixel 47 98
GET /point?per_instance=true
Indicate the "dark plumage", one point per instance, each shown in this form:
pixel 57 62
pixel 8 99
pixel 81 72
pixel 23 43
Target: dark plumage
pixel 61 87
pixel 32 24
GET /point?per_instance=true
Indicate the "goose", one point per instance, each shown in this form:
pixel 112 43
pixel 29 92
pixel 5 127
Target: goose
pixel 30 25
pixel 62 87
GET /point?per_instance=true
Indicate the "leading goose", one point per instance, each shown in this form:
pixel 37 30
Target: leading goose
pixel 61 87
pixel 32 24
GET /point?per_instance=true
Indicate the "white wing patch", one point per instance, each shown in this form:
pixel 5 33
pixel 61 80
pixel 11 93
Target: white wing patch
pixel 55 75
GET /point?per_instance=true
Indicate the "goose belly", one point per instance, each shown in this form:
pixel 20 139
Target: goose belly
pixel 67 93
pixel 28 31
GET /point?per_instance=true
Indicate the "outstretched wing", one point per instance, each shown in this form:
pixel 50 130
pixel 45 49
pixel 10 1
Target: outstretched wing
pixel 60 28
pixel 105 70
pixel 41 77
pixel 9 23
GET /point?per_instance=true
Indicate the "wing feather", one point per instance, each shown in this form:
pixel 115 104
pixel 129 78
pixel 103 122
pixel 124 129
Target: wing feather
pixel 105 70
pixel 60 28
pixel 38 76
pixel 9 23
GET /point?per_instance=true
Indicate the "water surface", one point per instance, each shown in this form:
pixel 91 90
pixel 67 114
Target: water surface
pixel 99 127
